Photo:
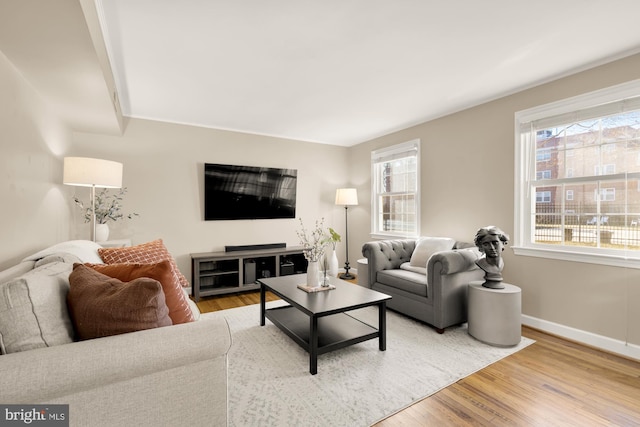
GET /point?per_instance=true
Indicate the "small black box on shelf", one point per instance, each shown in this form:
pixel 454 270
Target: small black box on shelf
pixel 286 268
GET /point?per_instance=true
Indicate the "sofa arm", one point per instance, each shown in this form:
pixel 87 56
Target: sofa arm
pixel 449 274
pixel 44 374
pixel 455 261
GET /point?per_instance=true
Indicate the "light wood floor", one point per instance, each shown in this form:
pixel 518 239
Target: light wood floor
pixel 553 382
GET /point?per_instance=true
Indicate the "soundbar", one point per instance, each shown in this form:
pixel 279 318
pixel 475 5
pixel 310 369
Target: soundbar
pixel 237 248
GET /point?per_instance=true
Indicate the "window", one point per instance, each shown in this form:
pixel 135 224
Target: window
pixel 395 181
pixel 543 155
pixel 586 149
pixel 543 174
pixel 606 194
pixel 609 169
pixel 543 197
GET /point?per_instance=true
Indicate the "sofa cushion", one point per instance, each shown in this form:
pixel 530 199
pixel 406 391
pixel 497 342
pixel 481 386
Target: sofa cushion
pixel 33 310
pixel 427 246
pixel 101 305
pixel 408 281
pixel 407 266
pixel 145 253
pixel 177 301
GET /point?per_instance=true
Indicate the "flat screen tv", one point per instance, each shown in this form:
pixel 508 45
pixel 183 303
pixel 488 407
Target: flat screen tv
pixel 248 192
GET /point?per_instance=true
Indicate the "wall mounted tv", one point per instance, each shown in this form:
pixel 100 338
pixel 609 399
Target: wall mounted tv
pixel 248 192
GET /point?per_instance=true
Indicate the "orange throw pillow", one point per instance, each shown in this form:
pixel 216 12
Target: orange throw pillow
pixel 179 309
pixel 145 253
pixel 101 306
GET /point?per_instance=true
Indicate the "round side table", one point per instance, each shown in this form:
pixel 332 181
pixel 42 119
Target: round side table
pixel 495 315
pixel 363 272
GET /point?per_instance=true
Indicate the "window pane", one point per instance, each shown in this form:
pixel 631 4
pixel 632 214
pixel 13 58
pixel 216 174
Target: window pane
pixel 546 215
pixel 590 147
pixel 611 220
pixel 397 176
pixel 398 213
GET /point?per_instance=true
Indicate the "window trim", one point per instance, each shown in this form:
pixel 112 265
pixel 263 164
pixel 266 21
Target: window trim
pixel 412 145
pixel 521 244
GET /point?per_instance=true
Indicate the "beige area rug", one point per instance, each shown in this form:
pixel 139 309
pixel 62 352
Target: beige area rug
pixel 270 384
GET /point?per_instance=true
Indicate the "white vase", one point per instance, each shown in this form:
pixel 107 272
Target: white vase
pixel 313 276
pixel 333 264
pixel 102 232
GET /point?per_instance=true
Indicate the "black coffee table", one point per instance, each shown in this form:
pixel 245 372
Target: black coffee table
pixel 318 321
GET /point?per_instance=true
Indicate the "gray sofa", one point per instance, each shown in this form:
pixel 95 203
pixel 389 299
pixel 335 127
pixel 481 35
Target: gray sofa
pixel 427 277
pixel 168 376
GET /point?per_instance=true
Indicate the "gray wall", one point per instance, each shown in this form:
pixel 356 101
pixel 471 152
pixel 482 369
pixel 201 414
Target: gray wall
pixel 163 172
pixel 34 208
pixel 468 182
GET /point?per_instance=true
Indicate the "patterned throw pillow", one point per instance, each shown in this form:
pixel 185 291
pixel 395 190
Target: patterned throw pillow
pixel 177 300
pixel 102 306
pixel 146 253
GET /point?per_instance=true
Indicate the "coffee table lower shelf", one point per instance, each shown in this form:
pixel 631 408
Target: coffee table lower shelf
pixel 334 331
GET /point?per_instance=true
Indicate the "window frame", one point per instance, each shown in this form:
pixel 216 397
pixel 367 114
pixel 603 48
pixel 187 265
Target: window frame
pixel 411 147
pixel 522 244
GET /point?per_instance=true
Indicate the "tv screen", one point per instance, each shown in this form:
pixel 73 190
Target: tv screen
pixel 248 192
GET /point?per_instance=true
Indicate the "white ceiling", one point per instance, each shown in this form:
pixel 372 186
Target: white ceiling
pixel 333 71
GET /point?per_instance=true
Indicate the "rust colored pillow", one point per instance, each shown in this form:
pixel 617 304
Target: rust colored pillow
pixel 145 253
pixel 179 309
pixel 101 306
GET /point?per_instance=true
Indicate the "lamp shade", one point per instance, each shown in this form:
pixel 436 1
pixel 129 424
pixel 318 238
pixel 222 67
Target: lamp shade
pixel 346 197
pixel 87 172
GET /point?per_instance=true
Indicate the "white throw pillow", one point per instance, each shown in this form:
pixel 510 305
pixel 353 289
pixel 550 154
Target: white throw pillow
pixel 86 250
pixel 427 246
pixel 194 307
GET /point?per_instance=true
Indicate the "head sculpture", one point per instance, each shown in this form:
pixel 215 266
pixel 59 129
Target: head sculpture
pixel 491 241
pixel 490 230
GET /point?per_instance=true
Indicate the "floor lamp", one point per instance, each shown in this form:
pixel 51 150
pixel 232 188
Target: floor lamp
pixel 87 172
pixel 346 197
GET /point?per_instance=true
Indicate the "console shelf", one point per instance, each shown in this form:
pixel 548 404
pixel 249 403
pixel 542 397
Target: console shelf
pixel 217 273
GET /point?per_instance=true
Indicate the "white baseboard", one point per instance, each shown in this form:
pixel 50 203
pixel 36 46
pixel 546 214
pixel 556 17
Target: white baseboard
pixel 604 343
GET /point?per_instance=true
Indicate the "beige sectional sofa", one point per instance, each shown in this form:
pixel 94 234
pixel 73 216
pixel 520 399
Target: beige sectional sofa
pixel 166 376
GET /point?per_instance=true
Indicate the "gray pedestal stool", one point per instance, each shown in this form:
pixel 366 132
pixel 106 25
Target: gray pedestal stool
pixel 495 315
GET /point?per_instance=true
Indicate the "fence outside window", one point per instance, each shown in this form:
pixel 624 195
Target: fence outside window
pixel 581 225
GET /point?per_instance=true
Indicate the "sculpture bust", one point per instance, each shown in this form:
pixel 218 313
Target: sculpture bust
pixel 491 241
